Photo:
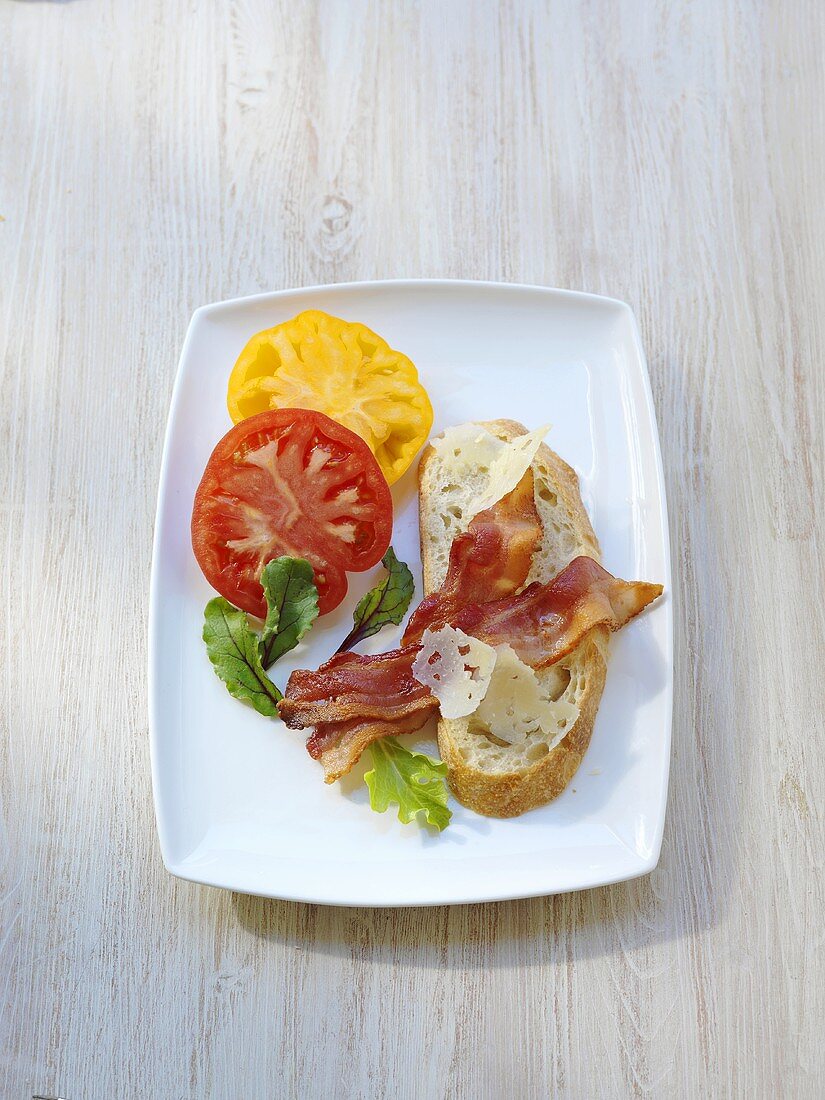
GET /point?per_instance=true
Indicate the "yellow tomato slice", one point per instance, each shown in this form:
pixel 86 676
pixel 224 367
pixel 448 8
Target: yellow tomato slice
pixel 340 368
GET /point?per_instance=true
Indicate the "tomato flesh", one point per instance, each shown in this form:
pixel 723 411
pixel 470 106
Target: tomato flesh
pixel 289 482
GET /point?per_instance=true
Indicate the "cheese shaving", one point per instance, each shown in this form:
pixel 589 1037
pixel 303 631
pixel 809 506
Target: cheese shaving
pixel 470 449
pixel 515 706
pixel 456 668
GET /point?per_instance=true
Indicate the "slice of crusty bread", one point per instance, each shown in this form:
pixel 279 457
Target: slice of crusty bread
pixel 486 774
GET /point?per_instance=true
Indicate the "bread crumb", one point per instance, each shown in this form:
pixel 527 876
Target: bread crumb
pixel 595 771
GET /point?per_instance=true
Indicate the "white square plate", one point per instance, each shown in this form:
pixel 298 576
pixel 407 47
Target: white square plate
pixel 239 802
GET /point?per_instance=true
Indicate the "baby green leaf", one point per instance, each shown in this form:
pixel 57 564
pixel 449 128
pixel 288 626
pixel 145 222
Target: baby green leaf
pixel 292 602
pixel 232 647
pixel 386 603
pixel 412 780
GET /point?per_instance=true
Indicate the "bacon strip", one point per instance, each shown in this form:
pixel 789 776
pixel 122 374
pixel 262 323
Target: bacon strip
pixel 338 745
pixel 490 560
pixel 545 622
pixel 354 699
pixel 337 688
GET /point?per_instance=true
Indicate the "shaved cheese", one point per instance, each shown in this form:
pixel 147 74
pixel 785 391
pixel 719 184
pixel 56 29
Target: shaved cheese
pixel 505 696
pixel 468 446
pixel 514 704
pixel 456 668
pixel 477 457
pixel 509 467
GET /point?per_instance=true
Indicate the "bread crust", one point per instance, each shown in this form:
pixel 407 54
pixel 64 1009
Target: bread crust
pixel 510 793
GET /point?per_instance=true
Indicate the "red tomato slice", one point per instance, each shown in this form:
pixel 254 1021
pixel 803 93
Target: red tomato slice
pixel 289 482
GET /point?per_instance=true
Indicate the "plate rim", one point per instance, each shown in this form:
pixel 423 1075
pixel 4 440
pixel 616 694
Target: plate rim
pixel 544 886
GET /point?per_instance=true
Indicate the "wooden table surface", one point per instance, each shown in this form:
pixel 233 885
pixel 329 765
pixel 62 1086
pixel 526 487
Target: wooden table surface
pixel 158 155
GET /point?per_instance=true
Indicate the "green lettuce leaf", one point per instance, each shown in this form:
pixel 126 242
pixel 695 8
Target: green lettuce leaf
pixel 386 603
pixel 412 780
pixel 232 647
pixel 292 602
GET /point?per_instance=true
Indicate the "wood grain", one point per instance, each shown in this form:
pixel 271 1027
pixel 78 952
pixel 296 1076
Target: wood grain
pixel 159 155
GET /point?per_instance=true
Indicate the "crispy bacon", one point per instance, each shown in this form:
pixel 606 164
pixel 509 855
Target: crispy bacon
pixel 545 622
pixel 338 745
pixel 490 560
pixel 337 689
pixel 354 699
